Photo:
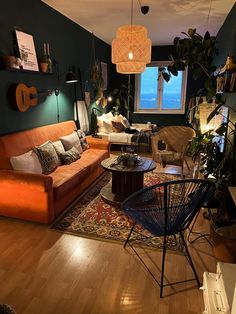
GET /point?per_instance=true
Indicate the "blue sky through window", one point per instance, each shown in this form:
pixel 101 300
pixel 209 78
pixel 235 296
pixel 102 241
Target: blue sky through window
pixel 148 88
pixel 171 94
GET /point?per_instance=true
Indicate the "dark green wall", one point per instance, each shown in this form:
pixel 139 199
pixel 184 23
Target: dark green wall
pixel 70 45
pixel 226 43
pixel 226 38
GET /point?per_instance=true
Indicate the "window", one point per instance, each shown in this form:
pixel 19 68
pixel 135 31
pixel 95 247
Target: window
pixel 154 95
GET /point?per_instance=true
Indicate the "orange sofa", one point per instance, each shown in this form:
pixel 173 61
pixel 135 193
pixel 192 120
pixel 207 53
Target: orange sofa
pixel 40 197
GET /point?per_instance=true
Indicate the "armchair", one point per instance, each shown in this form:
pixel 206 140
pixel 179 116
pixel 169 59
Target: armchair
pixel 176 140
pixel 167 209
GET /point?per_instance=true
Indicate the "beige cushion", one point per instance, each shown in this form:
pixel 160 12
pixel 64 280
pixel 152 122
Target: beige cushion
pixel 124 121
pixel 59 148
pixel 47 156
pixel 107 127
pixel 71 140
pixel 104 122
pixel 27 162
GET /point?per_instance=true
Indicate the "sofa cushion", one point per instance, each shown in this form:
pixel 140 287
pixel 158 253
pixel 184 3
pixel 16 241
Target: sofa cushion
pixel 59 148
pixel 117 126
pixel 71 140
pixel 107 126
pixel 47 156
pixel 66 177
pixel 70 156
pixel 124 121
pixel 27 162
pixel 83 140
pixel 104 122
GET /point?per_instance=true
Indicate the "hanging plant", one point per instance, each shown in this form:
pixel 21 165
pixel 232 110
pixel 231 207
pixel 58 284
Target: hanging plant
pixel 97 79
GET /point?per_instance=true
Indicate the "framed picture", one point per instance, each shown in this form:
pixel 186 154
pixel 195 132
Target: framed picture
pixel 27 51
pixel 104 74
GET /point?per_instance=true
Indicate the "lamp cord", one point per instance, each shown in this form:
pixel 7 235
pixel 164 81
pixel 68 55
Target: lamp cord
pixel 208 15
pixel 58 113
pixel 131 17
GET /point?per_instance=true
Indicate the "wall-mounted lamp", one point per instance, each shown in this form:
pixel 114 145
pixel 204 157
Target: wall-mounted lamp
pixel 72 79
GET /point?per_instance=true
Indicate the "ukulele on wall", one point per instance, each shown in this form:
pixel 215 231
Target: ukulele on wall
pixel 28 96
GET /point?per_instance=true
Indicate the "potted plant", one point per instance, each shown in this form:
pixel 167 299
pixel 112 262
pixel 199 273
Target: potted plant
pixel 197 52
pixel 121 100
pixel 8 58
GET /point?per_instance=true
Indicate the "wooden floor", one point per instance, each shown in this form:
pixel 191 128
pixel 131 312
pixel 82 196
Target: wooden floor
pixel 45 271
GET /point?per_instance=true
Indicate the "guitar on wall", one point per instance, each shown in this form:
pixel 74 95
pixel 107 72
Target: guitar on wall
pixel 28 96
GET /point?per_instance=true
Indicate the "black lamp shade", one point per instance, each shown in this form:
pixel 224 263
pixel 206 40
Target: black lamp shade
pixel 71 77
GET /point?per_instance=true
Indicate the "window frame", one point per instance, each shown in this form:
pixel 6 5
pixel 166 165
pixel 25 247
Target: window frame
pixel 160 79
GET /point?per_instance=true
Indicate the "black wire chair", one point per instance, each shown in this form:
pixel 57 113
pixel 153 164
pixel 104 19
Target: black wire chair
pixel 167 209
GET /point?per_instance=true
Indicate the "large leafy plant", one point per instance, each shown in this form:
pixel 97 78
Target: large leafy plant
pixel 122 100
pixel 196 52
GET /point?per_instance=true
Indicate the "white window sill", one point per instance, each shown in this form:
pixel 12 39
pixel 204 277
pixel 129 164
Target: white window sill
pixel 159 112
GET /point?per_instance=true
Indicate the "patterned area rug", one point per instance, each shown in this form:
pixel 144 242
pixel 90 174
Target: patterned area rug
pixel 91 217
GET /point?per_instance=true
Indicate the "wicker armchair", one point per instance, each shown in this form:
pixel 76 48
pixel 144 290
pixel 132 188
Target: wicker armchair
pixel 176 139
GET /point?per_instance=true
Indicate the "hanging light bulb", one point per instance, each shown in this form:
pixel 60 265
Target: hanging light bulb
pixel 130 55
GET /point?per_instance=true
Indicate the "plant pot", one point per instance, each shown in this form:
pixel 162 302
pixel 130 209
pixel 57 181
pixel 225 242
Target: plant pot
pixel 10 62
pixel 224 248
pixel 43 66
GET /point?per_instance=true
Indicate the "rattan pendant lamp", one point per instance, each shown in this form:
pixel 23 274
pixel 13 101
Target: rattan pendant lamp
pixel 131 49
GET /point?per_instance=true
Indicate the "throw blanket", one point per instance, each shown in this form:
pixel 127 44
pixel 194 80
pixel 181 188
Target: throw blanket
pixel 122 137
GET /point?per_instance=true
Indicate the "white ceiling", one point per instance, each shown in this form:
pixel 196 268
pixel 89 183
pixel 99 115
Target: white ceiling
pixel 165 20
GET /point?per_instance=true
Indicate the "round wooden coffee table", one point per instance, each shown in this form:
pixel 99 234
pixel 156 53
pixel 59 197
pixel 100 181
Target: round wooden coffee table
pixel 125 179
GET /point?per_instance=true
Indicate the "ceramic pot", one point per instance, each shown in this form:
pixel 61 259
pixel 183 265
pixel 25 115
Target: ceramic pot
pixel 43 66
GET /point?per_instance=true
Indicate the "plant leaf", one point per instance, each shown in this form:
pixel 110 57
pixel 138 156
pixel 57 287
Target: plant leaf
pixel 166 76
pixel 213 113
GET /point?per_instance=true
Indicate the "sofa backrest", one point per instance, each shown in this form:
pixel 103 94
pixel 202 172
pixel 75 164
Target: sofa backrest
pixel 21 142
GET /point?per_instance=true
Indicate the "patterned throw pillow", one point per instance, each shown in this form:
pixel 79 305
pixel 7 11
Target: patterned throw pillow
pixel 117 127
pixel 71 140
pixel 69 156
pixel 82 139
pixel 47 156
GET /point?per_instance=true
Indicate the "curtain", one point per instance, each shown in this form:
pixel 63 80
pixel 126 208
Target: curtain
pixel 82 115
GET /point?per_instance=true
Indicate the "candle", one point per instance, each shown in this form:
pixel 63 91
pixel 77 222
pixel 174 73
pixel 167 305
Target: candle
pixel 48 52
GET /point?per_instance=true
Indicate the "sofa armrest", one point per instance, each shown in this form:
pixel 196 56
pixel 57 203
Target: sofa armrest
pixel 20 179
pixel 98 143
pixel 27 196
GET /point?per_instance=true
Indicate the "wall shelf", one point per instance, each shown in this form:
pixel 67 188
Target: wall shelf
pixel 26 71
